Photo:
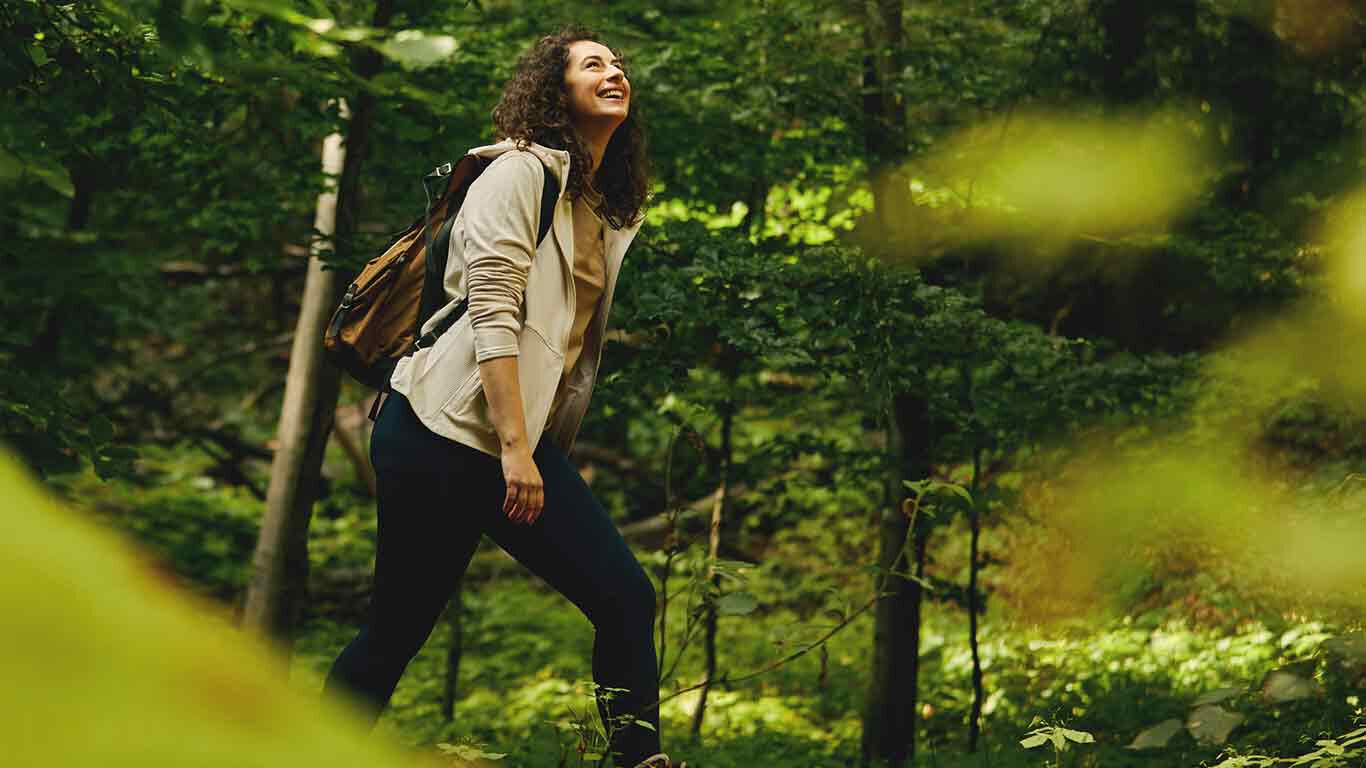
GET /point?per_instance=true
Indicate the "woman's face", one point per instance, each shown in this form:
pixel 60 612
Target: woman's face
pixel 596 85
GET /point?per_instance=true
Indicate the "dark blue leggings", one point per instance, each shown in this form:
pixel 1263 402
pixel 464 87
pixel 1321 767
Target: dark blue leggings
pixel 436 498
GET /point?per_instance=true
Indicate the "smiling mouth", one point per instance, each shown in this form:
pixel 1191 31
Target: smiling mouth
pixel 612 95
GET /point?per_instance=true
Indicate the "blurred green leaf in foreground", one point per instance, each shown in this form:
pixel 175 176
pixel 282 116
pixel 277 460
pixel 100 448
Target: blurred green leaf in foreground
pixel 108 665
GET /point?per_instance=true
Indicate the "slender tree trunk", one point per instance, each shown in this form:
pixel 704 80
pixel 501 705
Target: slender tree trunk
pixel 349 429
pixel 889 718
pixel 43 349
pixel 1125 25
pixel 280 563
pixel 279 575
pixel 975 521
pixel 756 200
pixel 82 197
pixel 713 549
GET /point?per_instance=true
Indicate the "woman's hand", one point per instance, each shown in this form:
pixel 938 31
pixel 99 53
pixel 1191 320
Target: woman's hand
pixel 525 493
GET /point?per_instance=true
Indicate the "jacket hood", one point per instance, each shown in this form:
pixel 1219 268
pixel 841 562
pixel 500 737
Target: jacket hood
pixel 557 160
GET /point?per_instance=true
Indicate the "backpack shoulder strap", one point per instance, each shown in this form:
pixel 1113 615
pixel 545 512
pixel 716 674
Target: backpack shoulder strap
pixel 549 197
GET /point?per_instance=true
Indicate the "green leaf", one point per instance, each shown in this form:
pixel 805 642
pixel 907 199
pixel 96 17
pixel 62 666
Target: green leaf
pixel 1080 737
pixel 1212 724
pixel 1282 686
pixel 1215 696
pixel 1036 740
pixel 1157 736
pixel 736 604
pixel 415 49
pixel 55 177
pixel 469 751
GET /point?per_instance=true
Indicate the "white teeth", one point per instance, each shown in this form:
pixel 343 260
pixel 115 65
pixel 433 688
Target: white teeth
pixel 614 94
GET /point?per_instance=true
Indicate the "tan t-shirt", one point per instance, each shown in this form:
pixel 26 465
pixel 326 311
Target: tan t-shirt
pixel 590 276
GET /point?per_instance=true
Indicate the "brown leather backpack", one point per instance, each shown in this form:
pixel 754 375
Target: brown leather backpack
pixel 380 318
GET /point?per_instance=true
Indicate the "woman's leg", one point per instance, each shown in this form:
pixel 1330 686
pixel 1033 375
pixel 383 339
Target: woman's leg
pixel 433 497
pixel 576 549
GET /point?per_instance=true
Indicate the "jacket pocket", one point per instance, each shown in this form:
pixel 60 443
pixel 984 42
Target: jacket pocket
pixel 460 405
pixel 540 366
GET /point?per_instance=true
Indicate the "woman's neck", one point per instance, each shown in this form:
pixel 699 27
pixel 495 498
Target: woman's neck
pixel 595 139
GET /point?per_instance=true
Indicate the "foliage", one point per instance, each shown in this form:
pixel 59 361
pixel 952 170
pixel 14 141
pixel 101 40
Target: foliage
pixel 1331 753
pixel 158 175
pixel 1060 738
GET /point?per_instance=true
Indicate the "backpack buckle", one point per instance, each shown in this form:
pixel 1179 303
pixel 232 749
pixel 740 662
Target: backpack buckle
pixel 441 170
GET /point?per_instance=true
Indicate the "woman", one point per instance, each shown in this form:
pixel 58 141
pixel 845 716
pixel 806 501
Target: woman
pixel 474 438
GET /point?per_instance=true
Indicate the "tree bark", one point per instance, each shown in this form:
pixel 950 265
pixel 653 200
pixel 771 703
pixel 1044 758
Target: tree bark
pixel 280 563
pixel 974 565
pixel 889 718
pixel 349 430
pixel 713 551
pixel 279 577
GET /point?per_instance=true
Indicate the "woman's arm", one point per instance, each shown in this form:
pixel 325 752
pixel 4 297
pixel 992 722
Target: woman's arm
pixel 500 214
pixel 503 389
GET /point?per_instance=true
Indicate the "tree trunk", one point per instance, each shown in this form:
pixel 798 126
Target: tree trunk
pixel 349 429
pixel 884 113
pixel 975 521
pixel 889 721
pixel 279 575
pixel 1125 25
pixel 280 563
pixel 713 550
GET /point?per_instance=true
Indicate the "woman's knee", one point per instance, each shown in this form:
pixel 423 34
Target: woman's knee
pixel 635 600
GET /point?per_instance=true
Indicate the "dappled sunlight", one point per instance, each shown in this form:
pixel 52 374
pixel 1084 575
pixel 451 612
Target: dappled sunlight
pixel 746 713
pixel 1210 490
pixel 1315 27
pixel 1319 341
pixel 1344 234
pixel 1042 181
pixel 1212 501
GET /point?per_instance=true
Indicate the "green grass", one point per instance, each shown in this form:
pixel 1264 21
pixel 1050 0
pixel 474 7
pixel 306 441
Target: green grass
pixel 527 653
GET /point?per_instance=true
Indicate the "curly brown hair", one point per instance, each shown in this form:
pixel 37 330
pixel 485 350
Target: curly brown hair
pixel 535 108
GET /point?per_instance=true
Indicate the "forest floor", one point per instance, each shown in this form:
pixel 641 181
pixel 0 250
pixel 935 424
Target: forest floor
pixel 1281 682
pixel 525 667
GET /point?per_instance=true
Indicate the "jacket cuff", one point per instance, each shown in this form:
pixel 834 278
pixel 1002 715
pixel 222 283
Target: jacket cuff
pixel 494 342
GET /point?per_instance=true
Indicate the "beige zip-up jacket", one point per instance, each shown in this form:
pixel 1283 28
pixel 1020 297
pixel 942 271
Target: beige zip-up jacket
pixel 493 259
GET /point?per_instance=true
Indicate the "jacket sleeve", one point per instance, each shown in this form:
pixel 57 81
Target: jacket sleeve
pixel 500 211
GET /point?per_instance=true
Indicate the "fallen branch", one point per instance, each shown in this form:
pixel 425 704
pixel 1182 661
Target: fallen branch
pixel 196 272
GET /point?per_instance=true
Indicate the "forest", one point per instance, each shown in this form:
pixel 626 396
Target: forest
pixel 986 385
